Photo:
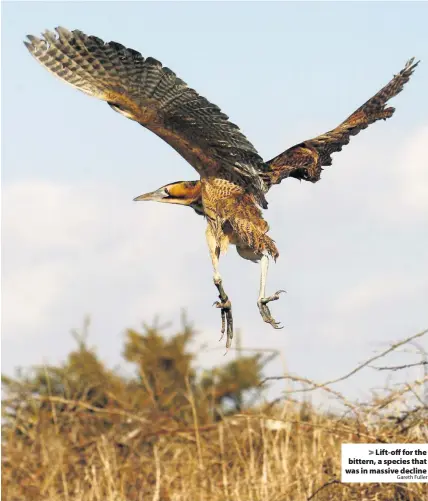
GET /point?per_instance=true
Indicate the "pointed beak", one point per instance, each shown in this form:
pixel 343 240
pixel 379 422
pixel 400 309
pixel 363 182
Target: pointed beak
pixel 153 196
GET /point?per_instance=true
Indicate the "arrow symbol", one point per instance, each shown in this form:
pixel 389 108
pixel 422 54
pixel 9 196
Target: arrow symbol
pixel 370 453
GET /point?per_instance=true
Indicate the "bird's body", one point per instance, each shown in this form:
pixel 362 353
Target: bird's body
pixel 234 217
pixel 234 179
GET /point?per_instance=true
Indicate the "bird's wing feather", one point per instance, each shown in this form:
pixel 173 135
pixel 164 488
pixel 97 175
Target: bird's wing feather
pixel 145 91
pixel 306 160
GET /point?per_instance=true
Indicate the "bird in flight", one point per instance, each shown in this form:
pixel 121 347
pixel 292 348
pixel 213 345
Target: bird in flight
pixel 234 179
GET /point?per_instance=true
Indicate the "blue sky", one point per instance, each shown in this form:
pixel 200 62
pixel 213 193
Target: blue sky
pixel 353 247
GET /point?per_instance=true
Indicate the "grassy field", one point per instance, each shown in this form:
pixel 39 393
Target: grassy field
pixel 60 445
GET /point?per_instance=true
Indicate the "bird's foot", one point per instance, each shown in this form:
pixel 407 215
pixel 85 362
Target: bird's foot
pixel 265 312
pixel 226 313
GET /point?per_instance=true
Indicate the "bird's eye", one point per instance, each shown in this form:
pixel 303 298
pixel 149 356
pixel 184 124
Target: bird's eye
pixel 166 192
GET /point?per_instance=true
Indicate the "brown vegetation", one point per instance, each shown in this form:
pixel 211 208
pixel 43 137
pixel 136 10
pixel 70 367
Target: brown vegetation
pixel 83 432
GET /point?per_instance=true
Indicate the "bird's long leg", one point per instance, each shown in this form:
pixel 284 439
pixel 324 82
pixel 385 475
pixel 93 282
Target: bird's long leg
pixel 262 301
pixel 224 304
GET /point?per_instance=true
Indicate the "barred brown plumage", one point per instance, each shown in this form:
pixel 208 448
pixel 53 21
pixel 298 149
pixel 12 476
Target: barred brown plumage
pixel 233 176
pixel 142 89
pixel 305 160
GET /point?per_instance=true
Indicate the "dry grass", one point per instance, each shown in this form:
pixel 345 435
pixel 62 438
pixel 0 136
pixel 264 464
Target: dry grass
pixel 249 457
pixel 287 451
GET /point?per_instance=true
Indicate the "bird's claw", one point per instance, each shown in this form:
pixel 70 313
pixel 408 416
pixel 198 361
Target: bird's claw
pixel 226 314
pixel 265 312
pixel 226 320
pixel 226 305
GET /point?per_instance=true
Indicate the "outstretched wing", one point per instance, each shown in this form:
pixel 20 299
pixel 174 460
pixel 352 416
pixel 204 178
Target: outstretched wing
pixel 306 160
pixel 144 91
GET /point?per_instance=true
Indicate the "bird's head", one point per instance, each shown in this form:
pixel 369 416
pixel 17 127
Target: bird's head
pixel 181 193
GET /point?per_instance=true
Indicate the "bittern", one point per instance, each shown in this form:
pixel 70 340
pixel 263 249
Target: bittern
pixel 234 179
